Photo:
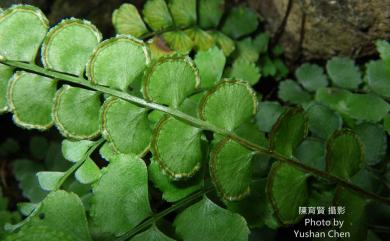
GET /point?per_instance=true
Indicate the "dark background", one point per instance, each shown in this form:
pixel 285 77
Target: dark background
pixel 99 13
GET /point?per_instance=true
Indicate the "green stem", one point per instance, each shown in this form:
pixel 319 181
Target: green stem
pixel 68 172
pixel 194 122
pixel 78 164
pixel 125 96
pixel 152 34
pixel 12 227
pixel 152 220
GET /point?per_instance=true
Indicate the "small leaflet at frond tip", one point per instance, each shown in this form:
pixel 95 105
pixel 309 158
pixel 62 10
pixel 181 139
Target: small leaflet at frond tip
pixel 127 20
pixel 183 12
pixel 157 15
pixel 202 40
pixel 178 41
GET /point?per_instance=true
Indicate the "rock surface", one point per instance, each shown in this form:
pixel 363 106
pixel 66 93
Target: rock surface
pixel 319 29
